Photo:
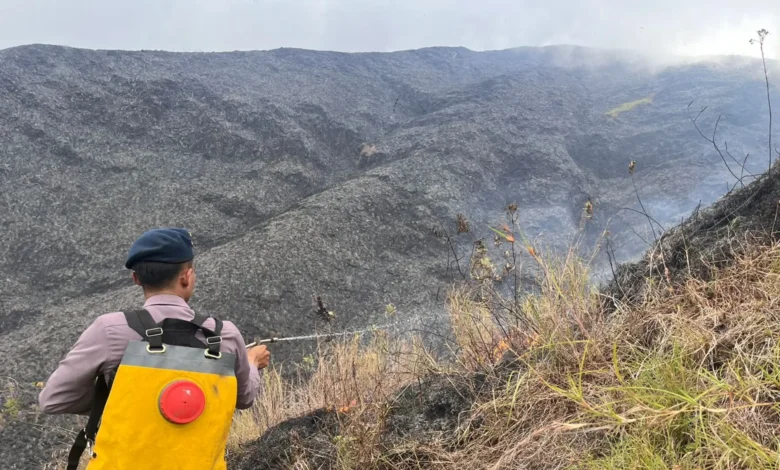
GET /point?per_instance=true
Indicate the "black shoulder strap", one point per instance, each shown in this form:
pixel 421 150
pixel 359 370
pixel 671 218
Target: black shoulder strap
pixel 200 319
pixel 215 341
pixel 86 437
pixel 142 322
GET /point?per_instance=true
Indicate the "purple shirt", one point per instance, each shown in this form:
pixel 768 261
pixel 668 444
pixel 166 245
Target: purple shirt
pixel 100 347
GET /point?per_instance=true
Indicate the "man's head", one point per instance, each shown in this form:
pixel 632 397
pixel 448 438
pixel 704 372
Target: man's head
pixel 161 261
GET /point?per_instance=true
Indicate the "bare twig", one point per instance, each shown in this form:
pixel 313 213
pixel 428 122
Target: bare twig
pixel 640 236
pixel 644 214
pixel 712 140
pixel 455 255
pixel 512 212
pixel 741 165
pixel 610 257
pixel 762 34
pixel 644 211
pixel 685 245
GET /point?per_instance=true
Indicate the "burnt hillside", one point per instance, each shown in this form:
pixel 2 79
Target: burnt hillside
pixel 313 173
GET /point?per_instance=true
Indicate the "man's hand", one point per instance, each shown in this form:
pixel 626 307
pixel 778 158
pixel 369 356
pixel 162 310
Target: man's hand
pixel 259 356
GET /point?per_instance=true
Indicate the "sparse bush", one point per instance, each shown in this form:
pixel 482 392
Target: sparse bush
pixel 10 404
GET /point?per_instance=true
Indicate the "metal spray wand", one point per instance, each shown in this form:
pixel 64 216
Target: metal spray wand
pixel 305 337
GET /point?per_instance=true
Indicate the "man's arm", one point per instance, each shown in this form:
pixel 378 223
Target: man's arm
pixel 247 375
pixel 71 386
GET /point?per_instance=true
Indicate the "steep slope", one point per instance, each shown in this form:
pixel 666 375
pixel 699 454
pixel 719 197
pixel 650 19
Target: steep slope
pixel 304 173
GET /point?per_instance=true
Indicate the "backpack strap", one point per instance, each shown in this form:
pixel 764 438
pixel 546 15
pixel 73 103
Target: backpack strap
pixel 86 437
pixel 200 318
pixel 142 322
pixel 214 341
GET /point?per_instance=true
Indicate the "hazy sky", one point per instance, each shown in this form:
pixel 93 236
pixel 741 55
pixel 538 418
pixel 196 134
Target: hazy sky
pixel 662 26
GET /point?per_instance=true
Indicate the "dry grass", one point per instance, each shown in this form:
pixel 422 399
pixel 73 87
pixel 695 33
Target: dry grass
pixel 351 376
pixel 688 380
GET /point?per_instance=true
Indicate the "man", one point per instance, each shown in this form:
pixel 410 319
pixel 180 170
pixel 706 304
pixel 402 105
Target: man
pixel 161 261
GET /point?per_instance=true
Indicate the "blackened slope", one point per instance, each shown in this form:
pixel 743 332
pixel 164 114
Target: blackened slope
pixel 708 240
pixel 103 144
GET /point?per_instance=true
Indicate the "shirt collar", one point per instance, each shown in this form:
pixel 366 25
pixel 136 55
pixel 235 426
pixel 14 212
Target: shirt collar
pixel 166 299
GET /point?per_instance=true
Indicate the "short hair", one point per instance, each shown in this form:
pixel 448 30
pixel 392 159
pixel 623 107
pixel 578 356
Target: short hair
pixel 157 275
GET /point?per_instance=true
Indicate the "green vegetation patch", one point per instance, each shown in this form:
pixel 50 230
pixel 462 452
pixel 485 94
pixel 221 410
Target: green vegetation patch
pixel 615 112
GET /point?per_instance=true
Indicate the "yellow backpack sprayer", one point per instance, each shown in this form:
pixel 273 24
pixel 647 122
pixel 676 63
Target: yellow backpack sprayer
pixel 170 405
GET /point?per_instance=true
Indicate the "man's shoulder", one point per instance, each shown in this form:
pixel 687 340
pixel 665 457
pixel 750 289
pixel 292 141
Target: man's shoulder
pixel 107 320
pixel 229 329
pixel 228 325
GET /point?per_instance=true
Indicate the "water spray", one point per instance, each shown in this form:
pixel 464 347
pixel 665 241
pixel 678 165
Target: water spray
pixel 317 336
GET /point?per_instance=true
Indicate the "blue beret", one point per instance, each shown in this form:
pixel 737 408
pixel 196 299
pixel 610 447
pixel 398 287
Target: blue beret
pixel 164 245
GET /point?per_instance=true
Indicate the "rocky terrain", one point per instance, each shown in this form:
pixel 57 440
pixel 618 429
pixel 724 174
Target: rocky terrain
pixel 312 173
